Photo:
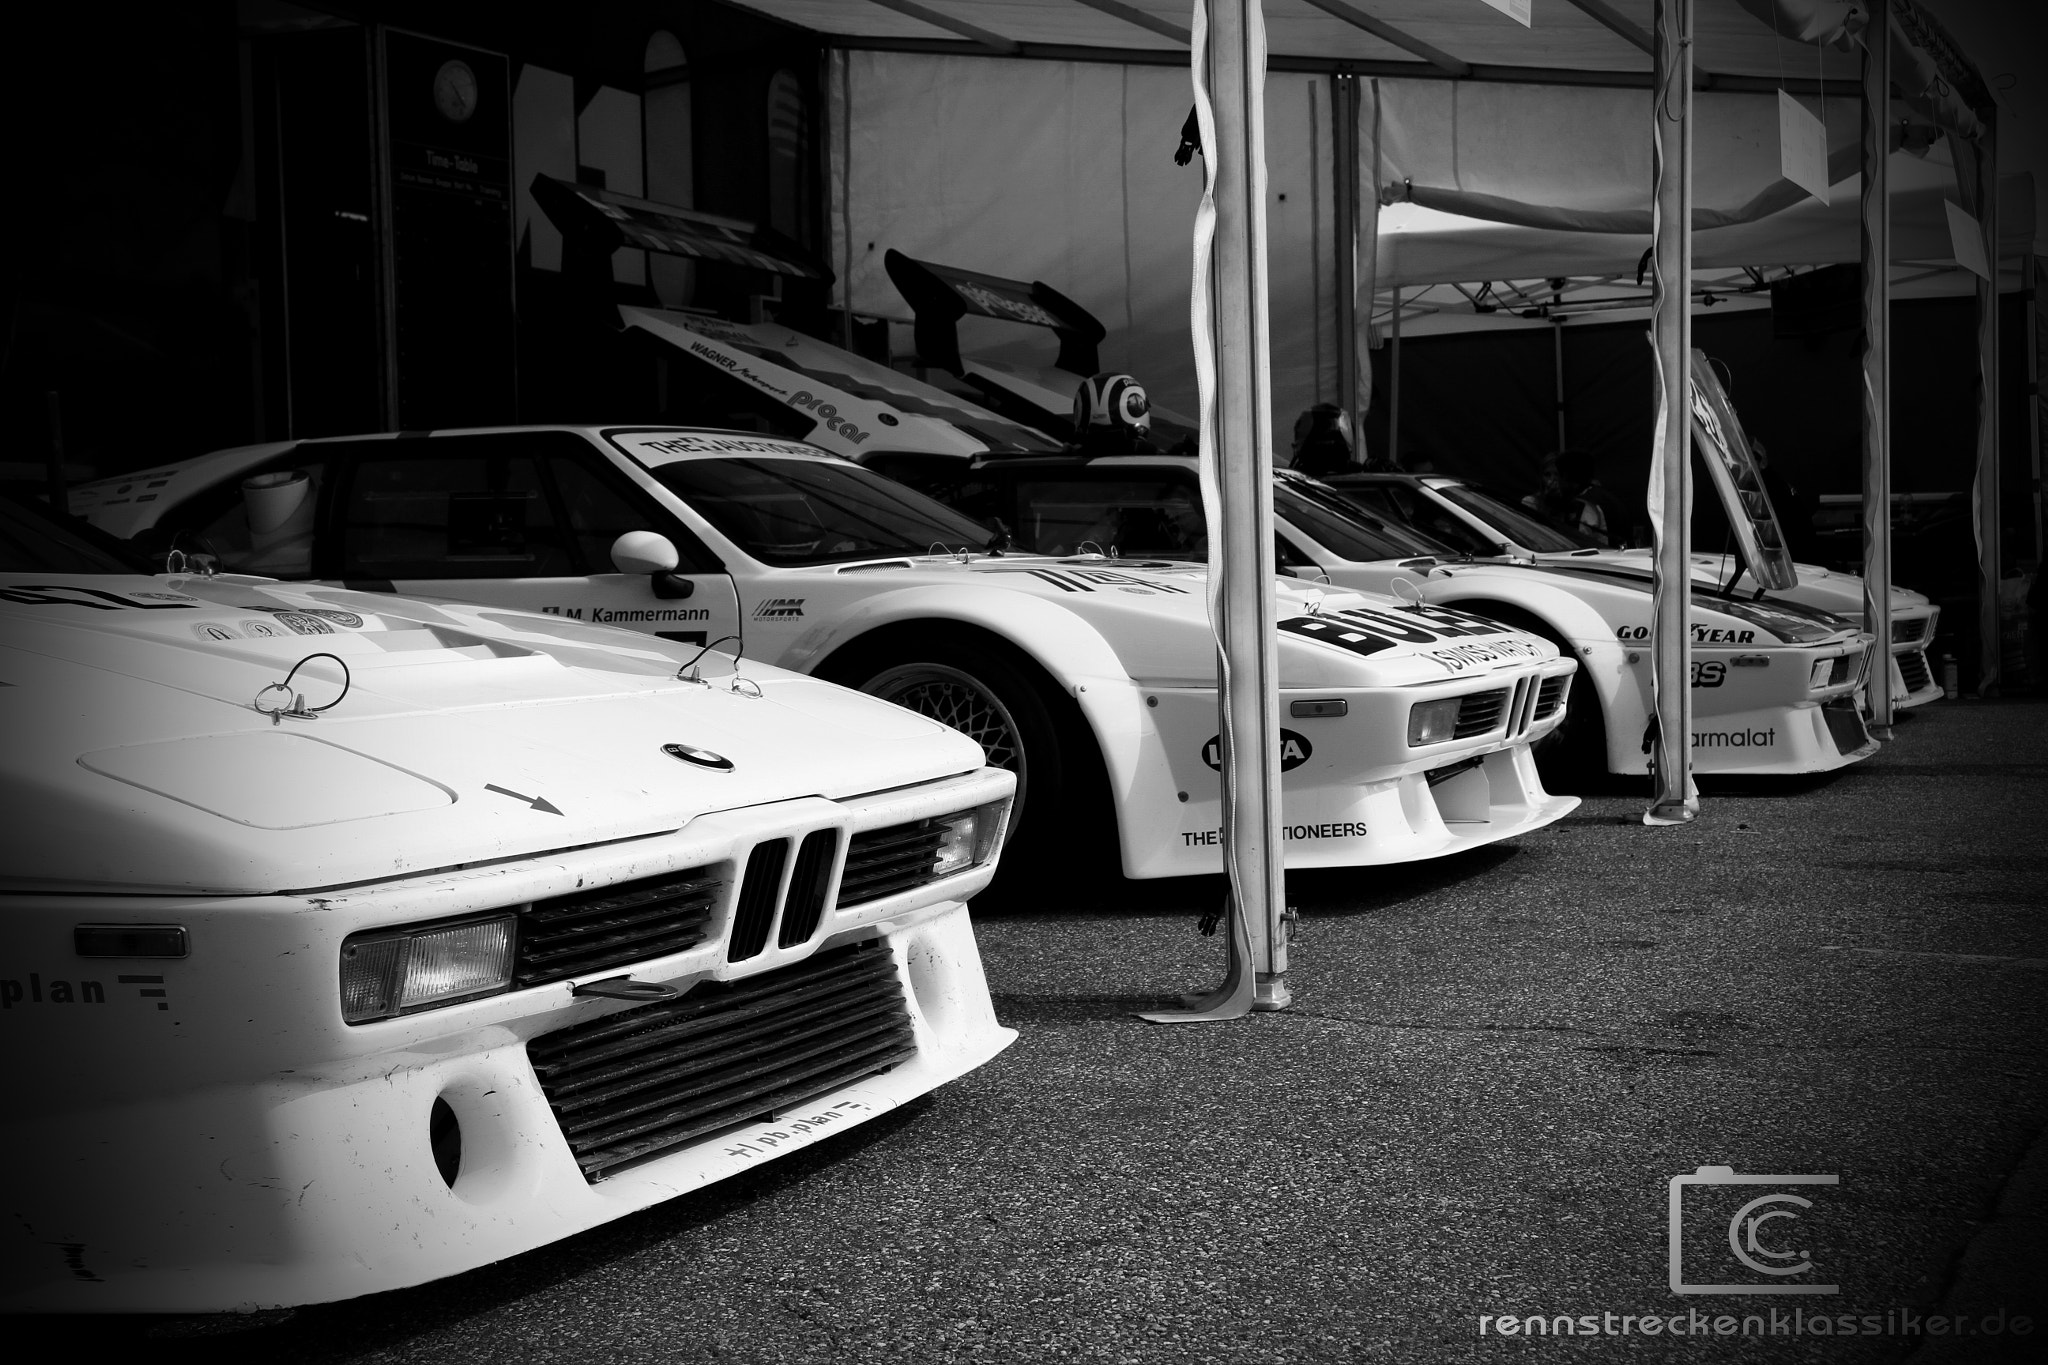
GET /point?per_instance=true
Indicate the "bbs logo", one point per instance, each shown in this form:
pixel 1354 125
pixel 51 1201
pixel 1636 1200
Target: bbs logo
pixel 1709 674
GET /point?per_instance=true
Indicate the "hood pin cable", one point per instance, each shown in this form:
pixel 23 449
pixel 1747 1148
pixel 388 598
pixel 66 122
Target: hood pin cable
pixel 298 710
pixel 739 686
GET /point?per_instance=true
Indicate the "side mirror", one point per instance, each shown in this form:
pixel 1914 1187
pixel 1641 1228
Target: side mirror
pixel 646 552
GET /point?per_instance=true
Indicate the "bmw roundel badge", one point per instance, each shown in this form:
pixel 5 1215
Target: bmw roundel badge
pixel 702 758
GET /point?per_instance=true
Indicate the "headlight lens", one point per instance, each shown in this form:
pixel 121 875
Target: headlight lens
pixel 1821 669
pixel 1433 722
pixel 385 972
pixel 969 838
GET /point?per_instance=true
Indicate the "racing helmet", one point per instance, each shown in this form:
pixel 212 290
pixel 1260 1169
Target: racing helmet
pixel 1111 403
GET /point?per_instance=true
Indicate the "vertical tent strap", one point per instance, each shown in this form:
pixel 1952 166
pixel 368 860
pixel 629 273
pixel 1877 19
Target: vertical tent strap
pixel 1228 313
pixel 1877 323
pixel 1674 799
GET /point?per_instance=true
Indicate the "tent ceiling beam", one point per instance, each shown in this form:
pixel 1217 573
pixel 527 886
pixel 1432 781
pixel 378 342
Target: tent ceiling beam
pixel 1615 22
pixel 1151 23
pixel 1336 66
pixel 980 37
pixel 1357 18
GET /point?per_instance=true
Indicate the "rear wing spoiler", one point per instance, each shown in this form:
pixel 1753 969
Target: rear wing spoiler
pixel 1738 478
pixel 940 295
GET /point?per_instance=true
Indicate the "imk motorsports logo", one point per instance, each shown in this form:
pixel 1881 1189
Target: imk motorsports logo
pixel 1767 1248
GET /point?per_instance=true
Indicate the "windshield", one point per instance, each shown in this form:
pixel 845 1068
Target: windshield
pixel 1343 528
pixel 33 540
pixel 1521 526
pixel 792 512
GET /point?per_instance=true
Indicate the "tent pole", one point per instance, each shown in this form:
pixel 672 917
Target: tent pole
pixel 1990 644
pixel 1394 384
pixel 1674 798
pixel 1877 399
pixel 2030 288
pixel 1232 362
pixel 1345 202
pixel 1557 364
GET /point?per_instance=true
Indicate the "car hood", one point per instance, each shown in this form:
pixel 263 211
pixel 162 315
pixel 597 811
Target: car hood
pixel 144 757
pixel 1778 620
pixel 1155 615
pixel 1839 593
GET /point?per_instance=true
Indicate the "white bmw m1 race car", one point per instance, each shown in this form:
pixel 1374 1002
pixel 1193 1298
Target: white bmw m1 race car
pixel 350 942
pixel 1774 684
pixel 1407 734
pixel 1472 520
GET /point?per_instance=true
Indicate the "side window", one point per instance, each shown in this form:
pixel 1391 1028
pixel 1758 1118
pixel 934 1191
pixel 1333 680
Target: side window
pixel 598 512
pixel 1286 556
pixel 1142 518
pixel 475 513
pixel 258 523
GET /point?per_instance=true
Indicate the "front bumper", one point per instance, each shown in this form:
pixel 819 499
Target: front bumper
pixel 1755 711
pixel 222 1140
pixel 1353 793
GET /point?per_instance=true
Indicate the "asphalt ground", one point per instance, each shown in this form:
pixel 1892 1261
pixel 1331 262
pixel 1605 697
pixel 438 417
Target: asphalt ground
pixel 1493 1068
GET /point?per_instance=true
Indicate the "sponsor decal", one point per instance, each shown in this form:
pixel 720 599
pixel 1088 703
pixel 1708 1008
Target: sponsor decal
pixel 1338 829
pixel 1735 739
pixel 1294 751
pixel 260 630
pixel 722 445
pixel 609 615
pixel 299 623
pixel 1711 673
pixel 739 369
pixel 1002 306
pixel 216 632
pixel 765 1141
pixel 829 415
pixel 573 613
pixel 99 599
pixel 1363 630
pixel 1456 658
pixel 1087 580
pixel 1701 635
pixel 702 758
pixel 36 991
pixel 166 596
pixel 340 618
pixel 780 609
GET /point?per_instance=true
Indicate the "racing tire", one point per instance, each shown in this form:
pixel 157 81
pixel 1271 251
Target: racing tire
pixel 999 697
pixel 1573 757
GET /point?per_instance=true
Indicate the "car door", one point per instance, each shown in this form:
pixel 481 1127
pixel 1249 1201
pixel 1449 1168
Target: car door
pixel 516 519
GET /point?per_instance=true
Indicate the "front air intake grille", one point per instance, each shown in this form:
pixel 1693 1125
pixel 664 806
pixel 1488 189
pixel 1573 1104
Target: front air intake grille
pixel 1479 713
pixel 1844 669
pixel 1551 695
pixel 754 911
pixel 1907 631
pixel 589 931
pixel 808 883
pixel 645 1080
pixel 1914 671
pixel 882 862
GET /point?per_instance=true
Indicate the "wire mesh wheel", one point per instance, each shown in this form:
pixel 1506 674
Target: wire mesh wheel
pixel 957 698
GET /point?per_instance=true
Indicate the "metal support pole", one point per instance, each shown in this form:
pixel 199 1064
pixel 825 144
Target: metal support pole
pixel 1233 377
pixel 1990 559
pixel 1345 202
pixel 1557 364
pixel 1877 330
pixel 2030 286
pixel 1674 798
pixel 1394 383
